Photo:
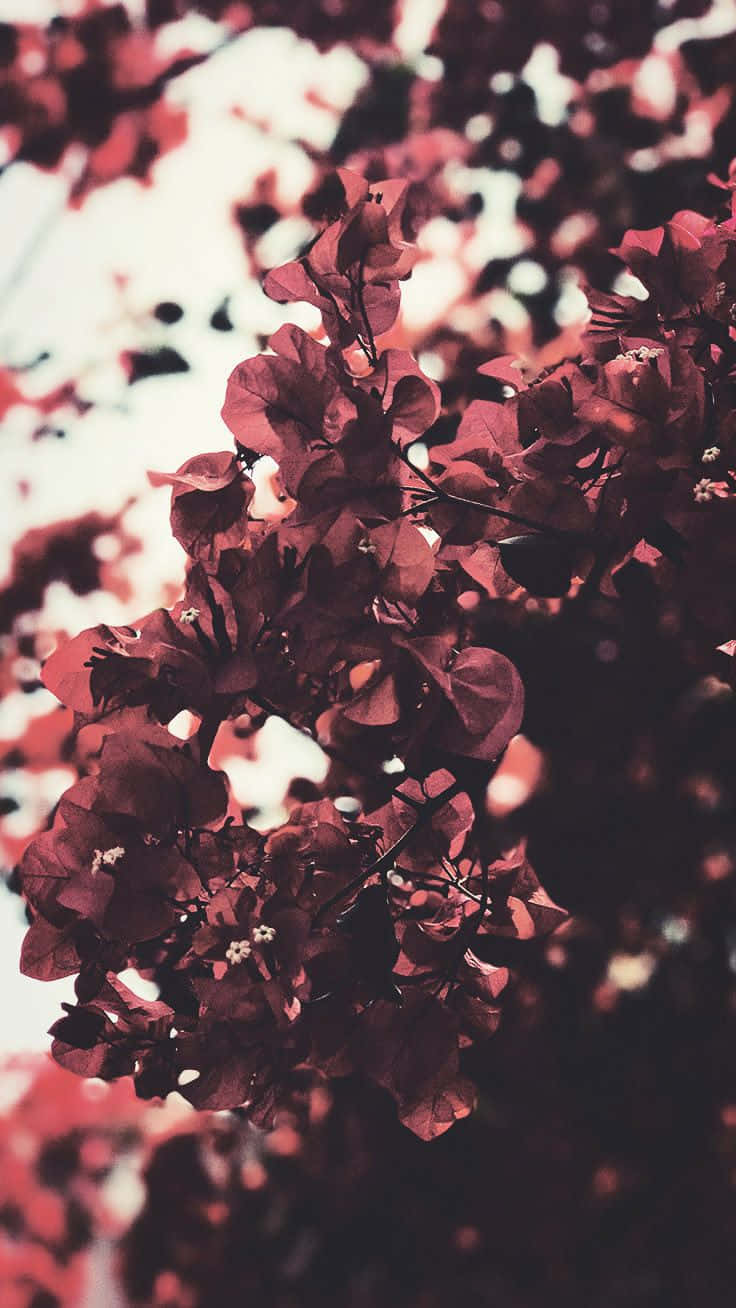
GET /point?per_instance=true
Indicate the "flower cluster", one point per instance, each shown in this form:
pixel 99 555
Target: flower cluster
pixel 375 944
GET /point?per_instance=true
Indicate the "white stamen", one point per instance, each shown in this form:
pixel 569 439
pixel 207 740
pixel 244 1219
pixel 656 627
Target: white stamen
pixel 112 856
pixel 108 856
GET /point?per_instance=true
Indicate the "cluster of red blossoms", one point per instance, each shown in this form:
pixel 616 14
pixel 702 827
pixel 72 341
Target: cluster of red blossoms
pixel 368 935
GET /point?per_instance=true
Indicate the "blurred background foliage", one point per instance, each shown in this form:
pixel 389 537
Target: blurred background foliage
pixel 156 159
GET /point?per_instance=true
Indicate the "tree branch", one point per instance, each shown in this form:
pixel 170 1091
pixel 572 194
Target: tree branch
pixel 385 861
pixel 449 498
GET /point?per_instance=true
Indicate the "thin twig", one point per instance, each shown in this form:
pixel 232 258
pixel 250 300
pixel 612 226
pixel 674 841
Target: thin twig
pixel 462 501
pixel 386 861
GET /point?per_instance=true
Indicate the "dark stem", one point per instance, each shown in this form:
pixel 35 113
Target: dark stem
pixel 441 494
pixel 370 339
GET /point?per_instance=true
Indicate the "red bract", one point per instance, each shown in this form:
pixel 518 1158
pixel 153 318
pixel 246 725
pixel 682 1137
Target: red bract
pixel 369 933
pixel 209 503
pixel 678 262
pixel 352 269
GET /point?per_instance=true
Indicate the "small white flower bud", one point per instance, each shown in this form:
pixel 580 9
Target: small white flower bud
pixel 263 935
pixel 703 490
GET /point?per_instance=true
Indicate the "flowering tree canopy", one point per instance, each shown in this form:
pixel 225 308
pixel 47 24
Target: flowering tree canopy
pixel 371 933
pixel 392 789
